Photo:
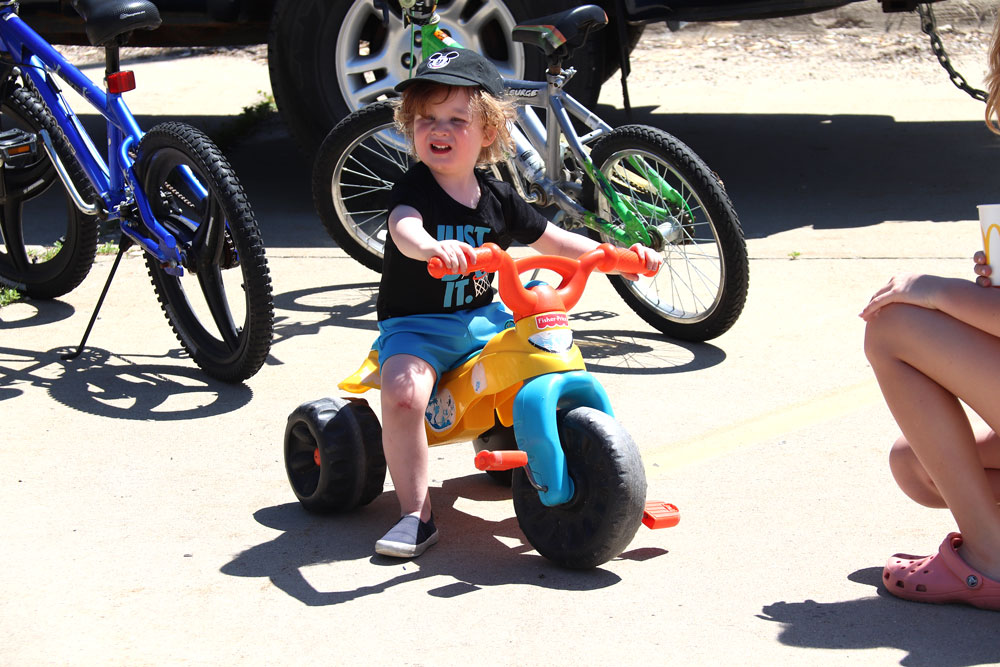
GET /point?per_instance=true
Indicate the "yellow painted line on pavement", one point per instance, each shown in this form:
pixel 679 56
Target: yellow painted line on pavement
pixel 764 427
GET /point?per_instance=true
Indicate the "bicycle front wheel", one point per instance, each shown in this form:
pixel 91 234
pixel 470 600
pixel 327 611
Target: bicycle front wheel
pixel 356 166
pixel 222 308
pixel 700 291
pixel 48 245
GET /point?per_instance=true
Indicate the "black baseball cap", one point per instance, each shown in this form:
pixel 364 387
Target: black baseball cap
pixel 457 67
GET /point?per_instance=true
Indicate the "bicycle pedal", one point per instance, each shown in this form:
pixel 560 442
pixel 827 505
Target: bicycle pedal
pixel 17 146
pixel 658 514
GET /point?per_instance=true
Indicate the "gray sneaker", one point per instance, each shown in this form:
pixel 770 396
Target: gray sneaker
pixel 410 537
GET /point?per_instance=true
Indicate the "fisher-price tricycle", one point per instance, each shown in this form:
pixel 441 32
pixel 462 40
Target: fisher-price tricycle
pixel 530 407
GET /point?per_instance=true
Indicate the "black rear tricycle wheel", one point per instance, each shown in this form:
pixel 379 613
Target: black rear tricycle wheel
pixel 333 454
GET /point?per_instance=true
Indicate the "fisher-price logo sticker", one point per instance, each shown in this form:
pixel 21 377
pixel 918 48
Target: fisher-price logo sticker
pixel 551 320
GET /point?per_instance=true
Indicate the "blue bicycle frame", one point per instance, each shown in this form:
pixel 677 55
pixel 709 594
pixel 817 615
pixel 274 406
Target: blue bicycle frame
pixel 115 180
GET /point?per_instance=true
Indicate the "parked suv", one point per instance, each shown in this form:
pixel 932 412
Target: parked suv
pixel 328 57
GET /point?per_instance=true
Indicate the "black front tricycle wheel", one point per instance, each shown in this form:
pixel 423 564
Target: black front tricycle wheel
pixel 609 481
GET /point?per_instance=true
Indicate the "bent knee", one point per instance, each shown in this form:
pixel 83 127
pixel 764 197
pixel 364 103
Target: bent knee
pixel 911 476
pixel 884 331
pixel 407 388
pixel 406 397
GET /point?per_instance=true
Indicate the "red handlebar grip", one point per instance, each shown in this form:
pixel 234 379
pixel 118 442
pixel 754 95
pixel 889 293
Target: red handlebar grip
pixel 487 259
pixel 630 262
pixel 435 267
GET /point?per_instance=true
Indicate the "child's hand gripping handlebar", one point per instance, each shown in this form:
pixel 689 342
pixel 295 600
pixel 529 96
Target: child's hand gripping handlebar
pixel 543 298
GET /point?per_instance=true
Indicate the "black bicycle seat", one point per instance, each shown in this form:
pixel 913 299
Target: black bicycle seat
pixel 106 21
pixel 567 29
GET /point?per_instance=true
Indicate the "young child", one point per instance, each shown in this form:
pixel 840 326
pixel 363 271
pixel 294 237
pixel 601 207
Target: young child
pixel 933 342
pixel 453 113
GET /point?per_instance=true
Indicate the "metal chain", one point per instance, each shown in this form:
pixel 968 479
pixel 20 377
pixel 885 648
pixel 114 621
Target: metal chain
pixel 929 26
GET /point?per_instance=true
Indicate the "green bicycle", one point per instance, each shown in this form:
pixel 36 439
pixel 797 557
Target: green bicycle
pixel 633 184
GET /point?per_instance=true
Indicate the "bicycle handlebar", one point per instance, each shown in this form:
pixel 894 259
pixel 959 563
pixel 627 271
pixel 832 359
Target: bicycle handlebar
pixel 543 298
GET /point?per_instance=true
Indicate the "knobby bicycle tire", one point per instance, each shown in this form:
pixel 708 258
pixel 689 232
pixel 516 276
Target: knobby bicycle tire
pixel 50 254
pixel 701 289
pixel 225 267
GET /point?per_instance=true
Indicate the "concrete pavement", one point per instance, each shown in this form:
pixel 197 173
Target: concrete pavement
pixel 146 516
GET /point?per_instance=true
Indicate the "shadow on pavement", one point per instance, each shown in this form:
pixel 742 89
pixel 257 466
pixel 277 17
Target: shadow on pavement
pixel 130 388
pixel 631 353
pixel 473 551
pixel 785 171
pixel 352 306
pixel 932 635
pixel 30 313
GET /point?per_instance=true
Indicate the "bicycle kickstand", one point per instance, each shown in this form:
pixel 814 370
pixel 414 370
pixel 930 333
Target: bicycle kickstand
pixel 124 244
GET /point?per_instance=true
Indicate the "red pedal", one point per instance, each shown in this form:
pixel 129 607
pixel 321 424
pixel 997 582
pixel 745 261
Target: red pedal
pixel 660 515
pixel 504 459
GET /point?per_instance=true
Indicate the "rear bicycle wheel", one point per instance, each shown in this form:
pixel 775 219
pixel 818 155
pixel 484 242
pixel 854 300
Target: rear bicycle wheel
pixel 356 166
pixel 222 308
pixel 47 246
pixel 701 289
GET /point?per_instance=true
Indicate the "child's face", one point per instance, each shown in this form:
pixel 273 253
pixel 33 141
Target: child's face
pixel 448 135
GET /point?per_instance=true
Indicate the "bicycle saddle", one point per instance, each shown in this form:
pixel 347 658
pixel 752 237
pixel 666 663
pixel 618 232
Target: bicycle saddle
pixel 569 28
pixel 107 21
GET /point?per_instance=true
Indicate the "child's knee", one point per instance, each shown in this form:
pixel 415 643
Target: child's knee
pixel 405 397
pixel 881 331
pixel 911 477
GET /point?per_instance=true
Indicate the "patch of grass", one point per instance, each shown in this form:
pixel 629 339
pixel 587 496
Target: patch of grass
pixel 45 254
pixel 795 254
pixel 107 248
pixel 8 296
pixel 247 121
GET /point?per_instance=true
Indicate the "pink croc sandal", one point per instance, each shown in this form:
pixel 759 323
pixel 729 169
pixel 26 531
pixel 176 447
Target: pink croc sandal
pixel 941 578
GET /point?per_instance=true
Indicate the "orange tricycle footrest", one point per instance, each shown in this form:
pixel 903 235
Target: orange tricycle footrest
pixel 659 514
pixel 505 459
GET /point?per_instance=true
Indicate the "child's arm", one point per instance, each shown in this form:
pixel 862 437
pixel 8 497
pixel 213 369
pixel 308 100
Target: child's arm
pixel 406 226
pixel 557 241
pixel 962 299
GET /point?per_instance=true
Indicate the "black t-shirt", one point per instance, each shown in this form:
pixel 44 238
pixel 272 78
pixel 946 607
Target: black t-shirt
pixel 501 217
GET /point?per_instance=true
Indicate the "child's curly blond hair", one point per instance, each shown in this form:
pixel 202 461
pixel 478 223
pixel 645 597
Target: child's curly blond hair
pixel 494 112
pixel 993 80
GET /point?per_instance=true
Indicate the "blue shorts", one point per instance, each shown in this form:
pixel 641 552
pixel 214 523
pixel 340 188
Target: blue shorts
pixel 442 340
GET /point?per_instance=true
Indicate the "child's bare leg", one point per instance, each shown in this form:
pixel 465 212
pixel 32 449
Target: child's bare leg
pixel 407 382
pixel 913 479
pixel 923 360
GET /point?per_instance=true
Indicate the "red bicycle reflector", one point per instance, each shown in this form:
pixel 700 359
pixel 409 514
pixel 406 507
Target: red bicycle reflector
pixel 660 515
pixel 121 82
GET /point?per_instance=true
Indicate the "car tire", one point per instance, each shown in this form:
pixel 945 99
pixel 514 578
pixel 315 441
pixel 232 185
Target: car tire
pixel 307 37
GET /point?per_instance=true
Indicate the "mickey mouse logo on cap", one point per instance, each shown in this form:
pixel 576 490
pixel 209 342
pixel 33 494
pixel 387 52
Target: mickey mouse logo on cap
pixel 441 59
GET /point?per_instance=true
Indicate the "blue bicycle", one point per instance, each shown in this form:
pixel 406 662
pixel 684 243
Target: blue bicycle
pixel 170 191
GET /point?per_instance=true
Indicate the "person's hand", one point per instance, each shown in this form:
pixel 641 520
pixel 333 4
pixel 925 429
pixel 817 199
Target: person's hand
pixel 455 255
pixel 915 289
pixel 650 257
pixel 982 269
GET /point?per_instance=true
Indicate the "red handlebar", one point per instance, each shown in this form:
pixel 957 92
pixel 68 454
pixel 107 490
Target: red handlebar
pixel 488 257
pixel 574 273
